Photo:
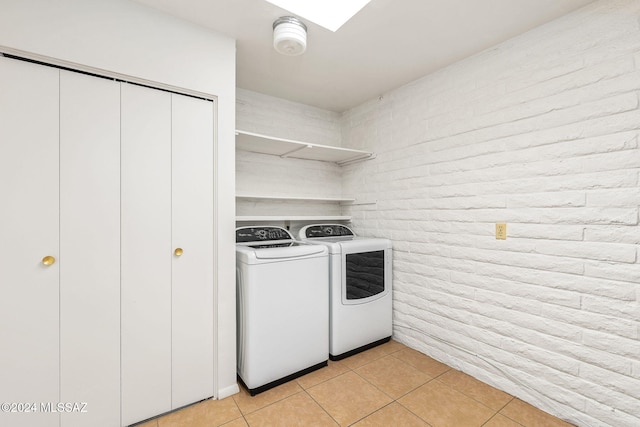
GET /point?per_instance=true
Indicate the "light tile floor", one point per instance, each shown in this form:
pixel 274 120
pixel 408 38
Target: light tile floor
pixel 389 385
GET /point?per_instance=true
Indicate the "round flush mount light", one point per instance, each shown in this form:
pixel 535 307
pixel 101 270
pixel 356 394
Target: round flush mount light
pixel 289 36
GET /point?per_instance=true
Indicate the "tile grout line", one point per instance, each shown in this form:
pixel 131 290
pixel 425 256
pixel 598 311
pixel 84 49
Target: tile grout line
pixel 239 410
pixel 414 389
pixel 496 412
pixel 473 398
pixel 377 410
pixel 321 407
pixel 408 409
pixel 368 382
pixel 393 400
pixel 467 396
pixel 506 416
pixel 499 410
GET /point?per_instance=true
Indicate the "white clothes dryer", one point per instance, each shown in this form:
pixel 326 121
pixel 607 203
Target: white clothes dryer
pixel 360 282
pixel 282 300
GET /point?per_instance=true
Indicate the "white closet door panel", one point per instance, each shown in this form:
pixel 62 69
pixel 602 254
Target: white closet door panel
pixel 90 248
pixel 192 276
pixel 146 253
pixel 29 359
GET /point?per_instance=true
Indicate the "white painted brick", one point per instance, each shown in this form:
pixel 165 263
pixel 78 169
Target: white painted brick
pixel 567 149
pixel 541 74
pixel 630 235
pixel 622 272
pixel 577 351
pixel 588 117
pixel 618 160
pixel 570 282
pixel 550 114
pixel 572 81
pixel 622 45
pixel 596 251
pixel 635 370
pixel 587 181
pixel 611 307
pixel 454 152
pixel 621 383
pixel 542 231
pixel 611 415
pixel 547 200
pixel 269 175
pixel 529 322
pixel 612 344
pixel 617 197
pixel 620 84
pixel 286 208
pixel 542 356
pixel 612 216
pixel 609 324
pixel 471 202
pixel 392 165
pixel 267 115
pixel 522 291
pixel 601 127
pixel 534 381
pixel 529 231
pixel 621 401
pixel 419 269
pixel 464 228
pixel 532 261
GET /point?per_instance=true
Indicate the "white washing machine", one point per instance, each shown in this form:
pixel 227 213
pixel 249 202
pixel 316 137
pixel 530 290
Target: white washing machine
pixel 360 281
pixel 282 300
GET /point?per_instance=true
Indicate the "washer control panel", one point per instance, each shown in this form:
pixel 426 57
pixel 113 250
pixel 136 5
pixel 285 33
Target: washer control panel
pixel 327 230
pixel 261 234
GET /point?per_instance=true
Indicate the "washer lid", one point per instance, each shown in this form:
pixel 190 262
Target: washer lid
pixel 248 255
pixel 291 252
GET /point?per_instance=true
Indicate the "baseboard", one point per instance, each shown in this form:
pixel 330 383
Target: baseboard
pixel 228 391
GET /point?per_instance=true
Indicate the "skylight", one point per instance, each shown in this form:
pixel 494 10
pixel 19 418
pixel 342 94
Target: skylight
pixel 330 14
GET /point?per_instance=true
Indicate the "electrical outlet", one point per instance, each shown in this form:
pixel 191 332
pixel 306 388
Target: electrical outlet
pixel 501 231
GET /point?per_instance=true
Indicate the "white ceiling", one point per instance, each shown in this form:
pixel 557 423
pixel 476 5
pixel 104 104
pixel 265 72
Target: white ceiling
pixel 386 45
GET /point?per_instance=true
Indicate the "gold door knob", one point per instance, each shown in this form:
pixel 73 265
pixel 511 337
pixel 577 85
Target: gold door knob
pixel 48 260
pixel 178 252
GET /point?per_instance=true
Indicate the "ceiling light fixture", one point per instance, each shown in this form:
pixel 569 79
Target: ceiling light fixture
pixel 289 36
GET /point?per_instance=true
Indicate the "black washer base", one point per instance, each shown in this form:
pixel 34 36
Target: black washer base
pixel 272 384
pixel 359 349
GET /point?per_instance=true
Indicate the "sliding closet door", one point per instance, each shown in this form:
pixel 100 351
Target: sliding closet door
pixel 146 253
pixel 90 248
pixel 192 274
pixel 29 282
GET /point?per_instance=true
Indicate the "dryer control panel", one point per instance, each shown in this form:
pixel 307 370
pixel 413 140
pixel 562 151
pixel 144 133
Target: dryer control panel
pixel 261 234
pixel 327 230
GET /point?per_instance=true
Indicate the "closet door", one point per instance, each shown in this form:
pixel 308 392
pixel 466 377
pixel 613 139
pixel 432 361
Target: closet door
pixel 29 283
pixel 192 230
pixel 90 248
pixel 146 253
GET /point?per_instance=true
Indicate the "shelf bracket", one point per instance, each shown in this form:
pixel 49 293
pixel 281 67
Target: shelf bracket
pixel 295 150
pixel 356 159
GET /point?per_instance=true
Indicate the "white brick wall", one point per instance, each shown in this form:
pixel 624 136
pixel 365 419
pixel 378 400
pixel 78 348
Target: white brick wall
pixel 540 132
pixel 264 114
